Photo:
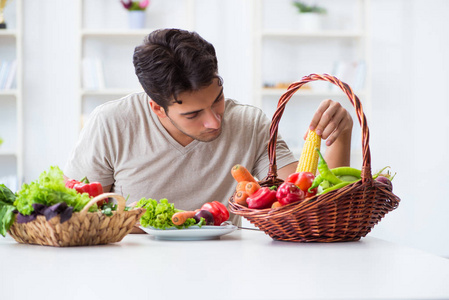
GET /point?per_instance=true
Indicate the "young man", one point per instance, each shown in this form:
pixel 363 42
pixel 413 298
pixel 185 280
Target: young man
pixel 181 137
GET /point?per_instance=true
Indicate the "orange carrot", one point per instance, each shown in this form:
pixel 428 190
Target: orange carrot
pixel 276 204
pixel 251 188
pixel 241 186
pixel 240 198
pixel 181 217
pixel 240 173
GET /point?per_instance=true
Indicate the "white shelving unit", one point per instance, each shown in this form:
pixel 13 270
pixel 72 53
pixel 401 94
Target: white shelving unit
pixel 110 43
pixel 284 53
pixel 11 118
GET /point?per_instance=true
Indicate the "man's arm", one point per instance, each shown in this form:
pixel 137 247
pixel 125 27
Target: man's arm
pixel 287 170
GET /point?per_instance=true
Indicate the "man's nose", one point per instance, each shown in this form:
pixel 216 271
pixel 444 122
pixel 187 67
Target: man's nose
pixel 213 120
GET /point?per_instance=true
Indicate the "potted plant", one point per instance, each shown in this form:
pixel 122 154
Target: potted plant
pixel 136 12
pixel 2 18
pixel 310 15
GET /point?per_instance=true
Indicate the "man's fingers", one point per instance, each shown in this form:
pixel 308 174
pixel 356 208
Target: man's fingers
pixel 318 114
pixel 327 117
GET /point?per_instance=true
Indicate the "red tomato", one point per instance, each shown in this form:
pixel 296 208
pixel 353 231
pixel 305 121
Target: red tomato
pixel 304 181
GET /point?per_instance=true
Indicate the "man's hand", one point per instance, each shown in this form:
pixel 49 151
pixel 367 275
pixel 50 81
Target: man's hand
pixel 330 121
pixel 334 124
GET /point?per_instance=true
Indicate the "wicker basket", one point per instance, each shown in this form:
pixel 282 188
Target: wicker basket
pixel 345 214
pixel 82 229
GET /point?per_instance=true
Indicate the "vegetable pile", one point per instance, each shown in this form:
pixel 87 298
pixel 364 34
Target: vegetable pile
pixel 48 196
pixel 162 214
pixel 298 186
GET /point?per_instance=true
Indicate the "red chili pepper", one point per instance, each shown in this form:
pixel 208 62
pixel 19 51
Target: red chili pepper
pixel 304 181
pixel 288 193
pixel 262 198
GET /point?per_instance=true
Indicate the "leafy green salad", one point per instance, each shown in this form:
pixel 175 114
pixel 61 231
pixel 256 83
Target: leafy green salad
pixel 159 214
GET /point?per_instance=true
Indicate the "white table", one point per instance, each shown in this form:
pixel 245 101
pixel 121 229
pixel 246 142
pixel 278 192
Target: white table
pixel 241 265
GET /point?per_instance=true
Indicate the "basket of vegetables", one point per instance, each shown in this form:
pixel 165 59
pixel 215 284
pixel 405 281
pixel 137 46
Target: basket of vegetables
pixel 53 213
pixel 341 204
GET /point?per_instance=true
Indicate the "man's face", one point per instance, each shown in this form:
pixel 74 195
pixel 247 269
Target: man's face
pixel 200 114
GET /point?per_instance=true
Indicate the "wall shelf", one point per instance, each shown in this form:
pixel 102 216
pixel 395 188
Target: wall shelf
pixel 108 92
pixel 97 33
pixel 284 52
pixel 11 115
pixel 106 46
pixel 319 34
pixel 12 93
pixel 307 93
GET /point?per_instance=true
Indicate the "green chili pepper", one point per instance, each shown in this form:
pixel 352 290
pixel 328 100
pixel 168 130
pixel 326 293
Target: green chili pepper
pixel 334 187
pixel 325 172
pixel 349 178
pixel 343 171
pixel 316 182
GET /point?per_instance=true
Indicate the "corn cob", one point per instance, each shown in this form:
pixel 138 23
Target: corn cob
pixel 308 161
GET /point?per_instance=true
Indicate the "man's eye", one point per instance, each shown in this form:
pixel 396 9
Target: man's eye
pixel 219 100
pixel 192 116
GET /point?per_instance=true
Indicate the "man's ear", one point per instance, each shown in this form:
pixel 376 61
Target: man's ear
pixel 157 109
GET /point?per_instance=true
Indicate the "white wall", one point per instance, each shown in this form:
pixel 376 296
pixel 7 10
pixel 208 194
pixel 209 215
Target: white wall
pixel 409 129
pixel 408 125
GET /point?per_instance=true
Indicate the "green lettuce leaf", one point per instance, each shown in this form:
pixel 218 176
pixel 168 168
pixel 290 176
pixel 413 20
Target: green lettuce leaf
pixel 159 214
pixel 7 217
pixel 50 189
pixel 6 195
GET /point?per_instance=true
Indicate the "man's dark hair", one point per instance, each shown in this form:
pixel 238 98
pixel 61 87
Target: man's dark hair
pixel 173 61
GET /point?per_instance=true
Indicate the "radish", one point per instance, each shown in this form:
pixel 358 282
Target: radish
pixel 386 181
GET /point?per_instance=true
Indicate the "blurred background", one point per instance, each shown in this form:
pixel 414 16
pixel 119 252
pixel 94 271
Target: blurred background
pixel 60 59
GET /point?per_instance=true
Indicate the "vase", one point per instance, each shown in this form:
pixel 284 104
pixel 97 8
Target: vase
pixel 136 19
pixel 310 21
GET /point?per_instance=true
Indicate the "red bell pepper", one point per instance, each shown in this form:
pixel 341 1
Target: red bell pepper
pixel 84 186
pixel 223 209
pixel 288 193
pixel 304 181
pixel 262 198
pixel 218 210
pixel 71 183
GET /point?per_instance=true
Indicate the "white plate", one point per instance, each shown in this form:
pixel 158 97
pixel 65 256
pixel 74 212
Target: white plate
pixel 193 233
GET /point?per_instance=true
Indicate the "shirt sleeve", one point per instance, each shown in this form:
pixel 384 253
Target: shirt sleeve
pixel 91 156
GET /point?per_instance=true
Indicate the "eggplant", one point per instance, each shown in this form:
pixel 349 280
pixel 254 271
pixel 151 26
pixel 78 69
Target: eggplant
pixel 207 215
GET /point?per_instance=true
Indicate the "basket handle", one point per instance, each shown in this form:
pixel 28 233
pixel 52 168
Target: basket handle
pixel 121 201
pixel 366 166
